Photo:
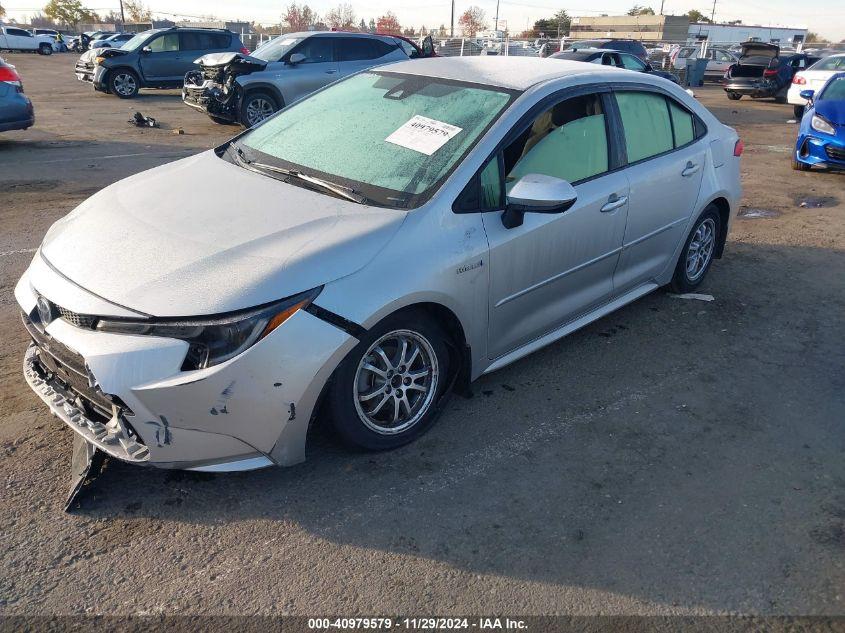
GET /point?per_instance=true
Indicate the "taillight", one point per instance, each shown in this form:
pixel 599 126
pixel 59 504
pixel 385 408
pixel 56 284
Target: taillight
pixel 770 72
pixel 9 75
pixel 738 147
pixel 798 80
pixel 244 50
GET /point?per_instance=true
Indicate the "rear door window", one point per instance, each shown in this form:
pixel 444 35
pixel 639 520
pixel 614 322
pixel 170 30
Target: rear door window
pixel 646 124
pixel 683 124
pixel 350 49
pixel 632 63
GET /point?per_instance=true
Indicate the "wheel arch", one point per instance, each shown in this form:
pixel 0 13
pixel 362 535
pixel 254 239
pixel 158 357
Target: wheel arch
pixel 724 208
pixel 264 86
pixel 124 67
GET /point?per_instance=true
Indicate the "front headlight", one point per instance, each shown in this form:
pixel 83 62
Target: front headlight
pixel 99 60
pixel 821 125
pixel 213 340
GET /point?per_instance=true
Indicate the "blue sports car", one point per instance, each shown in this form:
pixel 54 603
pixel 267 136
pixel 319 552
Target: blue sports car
pixel 821 138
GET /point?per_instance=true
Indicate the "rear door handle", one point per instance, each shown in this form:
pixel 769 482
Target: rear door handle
pixel 614 202
pixel 690 169
pixel 331 72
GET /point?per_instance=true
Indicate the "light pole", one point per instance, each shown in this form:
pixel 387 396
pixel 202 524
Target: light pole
pixel 122 17
pixel 452 25
pixel 496 27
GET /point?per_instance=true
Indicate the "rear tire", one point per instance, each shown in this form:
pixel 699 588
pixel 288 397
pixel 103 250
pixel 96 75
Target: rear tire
pixel 697 253
pixel 256 107
pixel 385 392
pixel 733 96
pixel 45 49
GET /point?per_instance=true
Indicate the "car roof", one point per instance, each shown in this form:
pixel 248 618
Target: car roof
pixel 303 34
pixel 518 73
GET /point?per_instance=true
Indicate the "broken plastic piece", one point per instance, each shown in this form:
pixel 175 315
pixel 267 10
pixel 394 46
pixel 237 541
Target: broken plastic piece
pixel 85 464
pixel 140 120
pixel 693 295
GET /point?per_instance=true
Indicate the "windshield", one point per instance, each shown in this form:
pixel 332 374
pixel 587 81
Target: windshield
pixel 135 42
pixel 836 62
pixel 275 49
pixel 394 138
pixel 834 90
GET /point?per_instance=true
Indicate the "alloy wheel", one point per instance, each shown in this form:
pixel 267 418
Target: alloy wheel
pixel 700 250
pixel 124 84
pixel 257 110
pixel 395 382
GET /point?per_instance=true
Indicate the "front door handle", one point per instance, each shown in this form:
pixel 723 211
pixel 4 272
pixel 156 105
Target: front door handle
pixel 331 72
pixel 690 169
pixel 614 202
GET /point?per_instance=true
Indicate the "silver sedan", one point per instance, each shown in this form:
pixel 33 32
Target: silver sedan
pixel 366 251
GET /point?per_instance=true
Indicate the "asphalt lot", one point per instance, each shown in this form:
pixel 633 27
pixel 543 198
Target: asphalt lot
pixel 676 457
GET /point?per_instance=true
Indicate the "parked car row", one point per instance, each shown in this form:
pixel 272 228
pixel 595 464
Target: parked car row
pixel 763 72
pixel 17 39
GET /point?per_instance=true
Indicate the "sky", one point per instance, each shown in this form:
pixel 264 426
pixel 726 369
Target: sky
pixel 827 17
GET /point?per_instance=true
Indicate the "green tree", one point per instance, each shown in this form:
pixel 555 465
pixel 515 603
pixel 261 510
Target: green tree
pixel 638 10
pixel 136 11
pixel 697 16
pixel 371 26
pixel 362 26
pixel 70 12
pixel 556 25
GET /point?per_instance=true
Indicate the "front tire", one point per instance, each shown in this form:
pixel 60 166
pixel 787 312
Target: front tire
pixel 697 254
pixel 256 107
pixel 734 96
pixel 385 392
pixel 124 83
pixel 45 49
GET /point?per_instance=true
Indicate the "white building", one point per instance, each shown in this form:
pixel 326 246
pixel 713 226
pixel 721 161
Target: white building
pixel 736 33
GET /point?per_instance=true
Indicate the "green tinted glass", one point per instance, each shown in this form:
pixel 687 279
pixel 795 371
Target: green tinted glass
pixel 682 121
pixel 491 185
pixel 646 122
pixel 342 131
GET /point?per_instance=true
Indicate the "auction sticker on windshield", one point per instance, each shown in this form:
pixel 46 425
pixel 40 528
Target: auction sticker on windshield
pixel 423 135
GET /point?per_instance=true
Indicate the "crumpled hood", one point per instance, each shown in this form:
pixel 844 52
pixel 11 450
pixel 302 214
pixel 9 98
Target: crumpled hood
pixel 831 109
pixel 212 60
pixel 203 236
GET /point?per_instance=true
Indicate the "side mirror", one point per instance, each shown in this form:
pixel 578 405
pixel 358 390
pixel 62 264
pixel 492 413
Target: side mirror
pixel 807 94
pixel 146 50
pixel 537 193
pixel 296 58
pixel 649 68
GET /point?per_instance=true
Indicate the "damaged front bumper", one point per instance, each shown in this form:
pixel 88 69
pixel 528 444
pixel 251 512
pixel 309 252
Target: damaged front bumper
pixel 127 395
pixel 210 97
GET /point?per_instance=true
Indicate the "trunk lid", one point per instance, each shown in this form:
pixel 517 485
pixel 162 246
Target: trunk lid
pixel 758 53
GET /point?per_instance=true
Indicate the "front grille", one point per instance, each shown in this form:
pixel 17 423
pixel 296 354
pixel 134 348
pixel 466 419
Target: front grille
pixel 836 153
pixel 68 367
pixel 79 320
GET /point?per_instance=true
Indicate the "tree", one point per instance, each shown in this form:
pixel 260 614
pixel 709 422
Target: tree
pixel 389 23
pixel 423 31
pixel 137 11
pixel 299 18
pixel 362 26
pixel 442 32
pixel 2 11
pixel 813 37
pixel 638 10
pixel 409 32
pixel 558 24
pixel 697 16
pixel 112 17
pixel 472 21
pixel 70 12
pixel 342 17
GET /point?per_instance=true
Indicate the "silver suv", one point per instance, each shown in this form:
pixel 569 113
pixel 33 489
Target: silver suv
pixel 246 89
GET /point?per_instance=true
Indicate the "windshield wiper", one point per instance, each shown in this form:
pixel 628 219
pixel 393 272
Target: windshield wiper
pixel 339 190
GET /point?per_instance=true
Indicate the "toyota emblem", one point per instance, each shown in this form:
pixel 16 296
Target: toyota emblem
pixel 45 310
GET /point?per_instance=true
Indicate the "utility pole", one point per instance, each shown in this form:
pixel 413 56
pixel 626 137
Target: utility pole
pixel 452 26
pixel 496 27
pixel 713 12
pixel 122 17
pixel 661 6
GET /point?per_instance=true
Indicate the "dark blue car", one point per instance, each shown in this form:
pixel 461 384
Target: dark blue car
pixel 16 111
pixel 821 139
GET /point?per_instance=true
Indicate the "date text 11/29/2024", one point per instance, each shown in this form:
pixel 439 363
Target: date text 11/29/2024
pixel 418 624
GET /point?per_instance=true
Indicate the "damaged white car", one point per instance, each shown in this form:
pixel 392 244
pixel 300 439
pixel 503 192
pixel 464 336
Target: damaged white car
pixel 365 252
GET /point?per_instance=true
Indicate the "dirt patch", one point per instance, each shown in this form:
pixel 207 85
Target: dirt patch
pixel 21 186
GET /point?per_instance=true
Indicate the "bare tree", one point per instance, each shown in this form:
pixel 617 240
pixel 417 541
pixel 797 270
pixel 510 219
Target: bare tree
pixel 137 11
pixel 299 18
pixel 342 17
pixel 472 21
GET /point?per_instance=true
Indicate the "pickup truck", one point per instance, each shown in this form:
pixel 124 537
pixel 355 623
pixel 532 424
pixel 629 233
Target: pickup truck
pixel 15 39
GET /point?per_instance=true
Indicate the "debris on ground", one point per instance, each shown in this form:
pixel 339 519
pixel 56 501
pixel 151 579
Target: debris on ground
pixel 693 295
pixel 178 130
pixel 792 121
pixel 139 120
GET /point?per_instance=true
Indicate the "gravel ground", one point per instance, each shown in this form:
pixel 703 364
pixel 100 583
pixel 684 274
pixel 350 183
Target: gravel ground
pixel 676 457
